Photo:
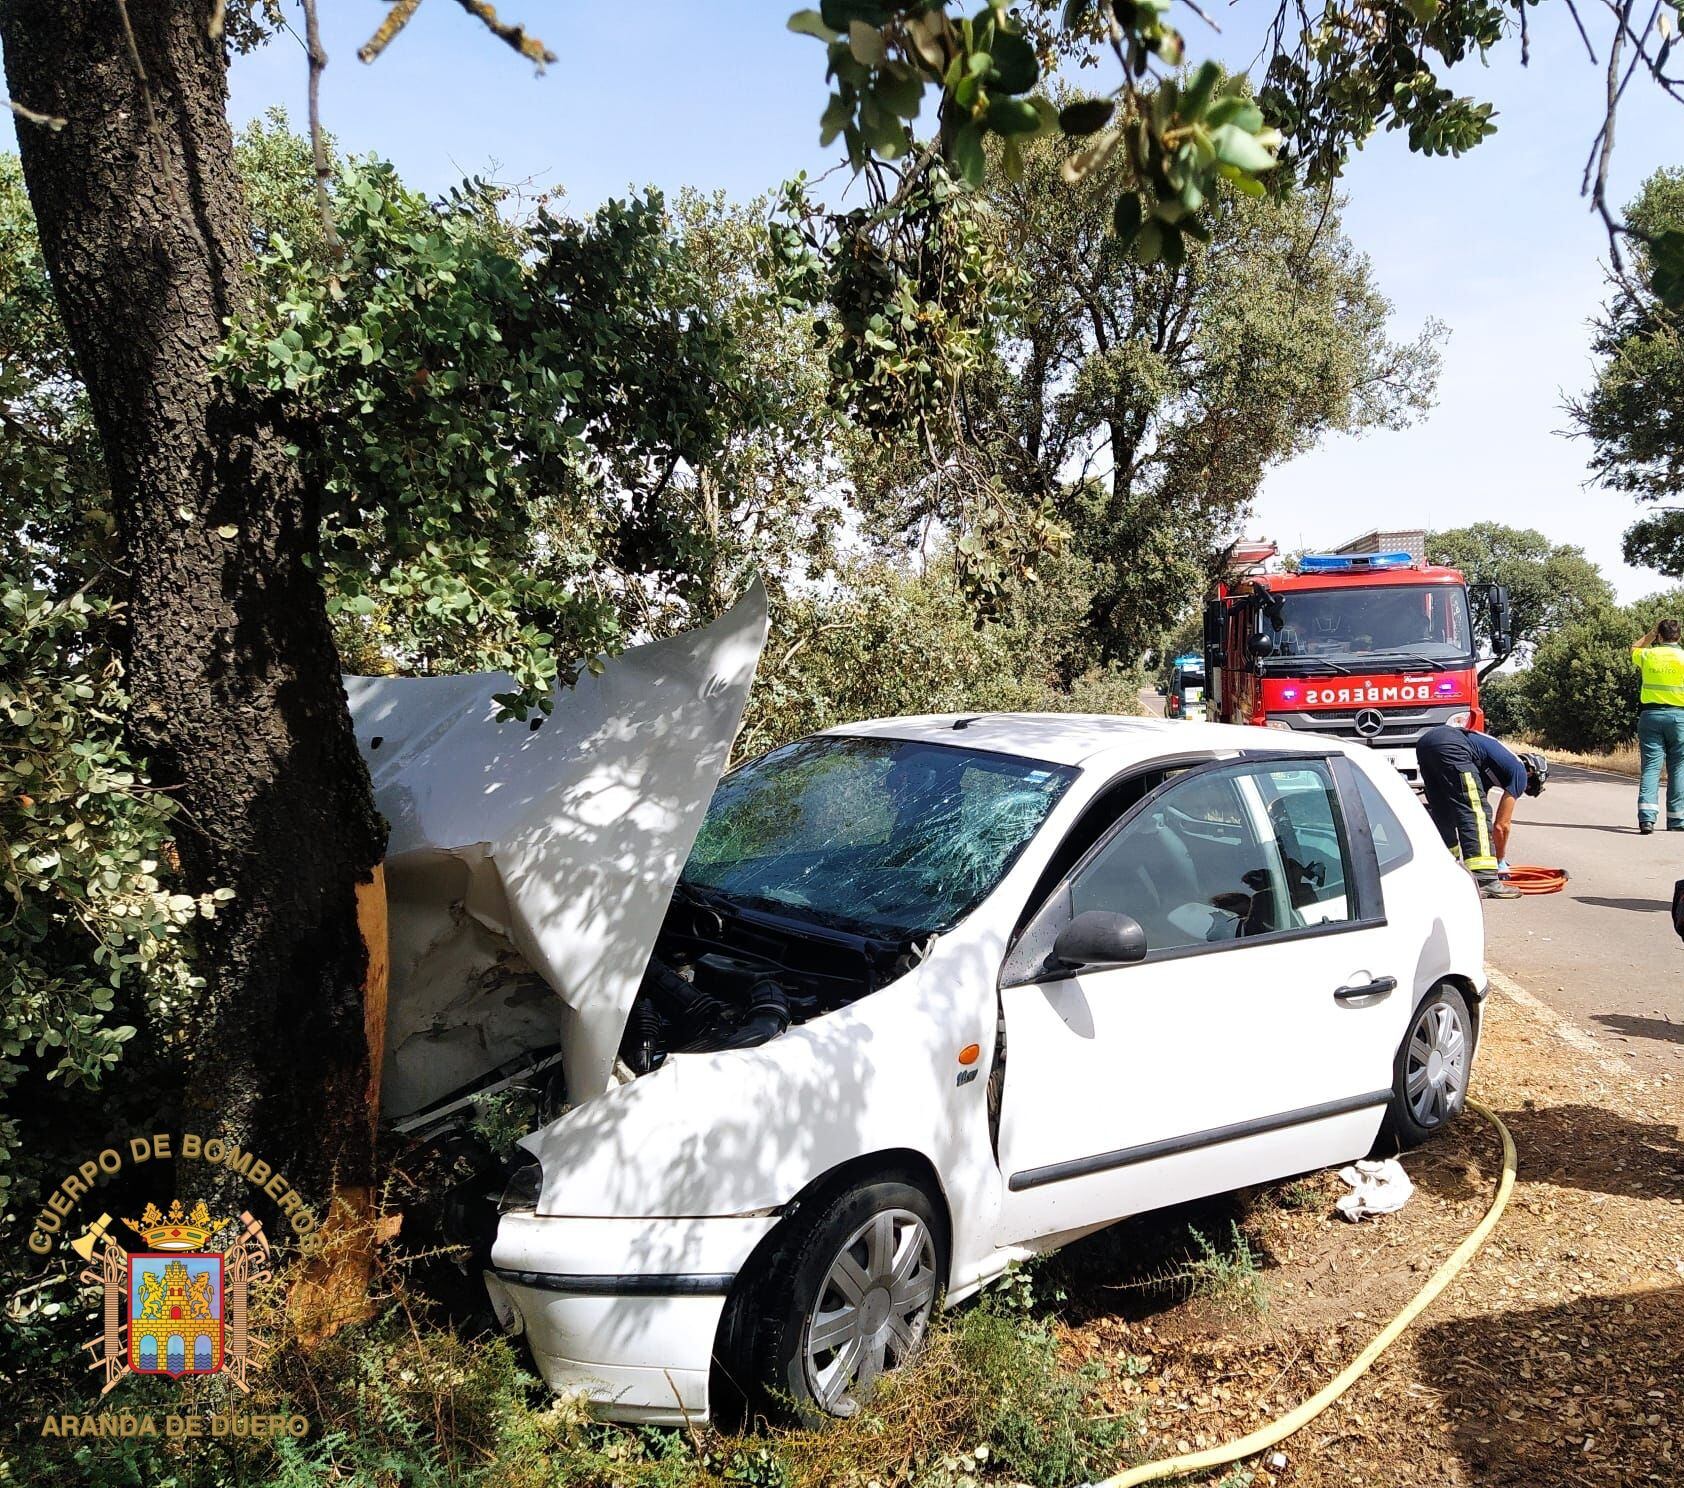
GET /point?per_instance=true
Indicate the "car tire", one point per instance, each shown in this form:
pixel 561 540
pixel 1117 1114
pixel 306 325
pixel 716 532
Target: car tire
pixel 848 1295
pixel 1430 1073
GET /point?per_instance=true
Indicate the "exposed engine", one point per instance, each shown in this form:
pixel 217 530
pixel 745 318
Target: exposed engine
pixel 724 977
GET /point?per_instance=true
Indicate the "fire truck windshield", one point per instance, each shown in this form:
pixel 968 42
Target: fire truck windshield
pixel 1406 626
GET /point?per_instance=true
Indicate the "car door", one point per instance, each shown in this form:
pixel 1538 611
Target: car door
pixel 1255 1037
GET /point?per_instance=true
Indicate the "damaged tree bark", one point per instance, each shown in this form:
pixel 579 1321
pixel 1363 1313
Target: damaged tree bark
pixel 237 701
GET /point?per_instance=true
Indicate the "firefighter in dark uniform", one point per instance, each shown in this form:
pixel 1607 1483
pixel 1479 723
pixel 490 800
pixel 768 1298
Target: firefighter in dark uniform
pixel 1457 767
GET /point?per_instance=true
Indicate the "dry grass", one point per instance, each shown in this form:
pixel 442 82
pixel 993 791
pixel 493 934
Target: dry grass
pixel 1621 761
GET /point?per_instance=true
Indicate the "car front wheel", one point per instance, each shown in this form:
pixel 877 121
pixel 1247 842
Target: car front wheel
pixel 850 1297
pixel 1430 1074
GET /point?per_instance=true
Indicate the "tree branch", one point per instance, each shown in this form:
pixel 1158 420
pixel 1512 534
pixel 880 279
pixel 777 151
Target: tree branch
pixel 318 146
pixel 46 121
pixel 516 36
pixel 396 19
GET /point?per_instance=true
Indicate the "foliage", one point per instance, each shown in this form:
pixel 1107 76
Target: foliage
pixel 1507 702
pixel 1550 584
pixel 1140 405
pixel 91 934
pixel 53 492
pixel 490 414
pixel 1634 412
pixel 889 642
pixel 1331 75
pixel 1581 691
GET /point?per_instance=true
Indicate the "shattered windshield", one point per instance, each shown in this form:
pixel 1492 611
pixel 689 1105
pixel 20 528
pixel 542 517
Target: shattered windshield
pixel 1424 623
pixel 883 835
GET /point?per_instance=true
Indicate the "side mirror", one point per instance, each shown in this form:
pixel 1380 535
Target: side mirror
pixel 1097 938
pixel 1260 645
pixel 1502 643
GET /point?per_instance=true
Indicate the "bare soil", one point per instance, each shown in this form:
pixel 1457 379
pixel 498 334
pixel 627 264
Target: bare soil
pixel 1554 1358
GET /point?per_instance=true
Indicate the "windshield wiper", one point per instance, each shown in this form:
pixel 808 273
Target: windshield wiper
pixel 1332 668
pixel 1418 659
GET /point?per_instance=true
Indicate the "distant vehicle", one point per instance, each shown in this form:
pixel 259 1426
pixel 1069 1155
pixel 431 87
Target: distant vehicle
pixel 1374 648
pixel 1184 689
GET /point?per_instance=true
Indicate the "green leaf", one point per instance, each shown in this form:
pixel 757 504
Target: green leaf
pixel 1013 116
pixel 811 23
pixel 1015 66
pixel 1198 92
pixel 1088 116
pixel 969 155
pixel 867 44
pixel 1243 151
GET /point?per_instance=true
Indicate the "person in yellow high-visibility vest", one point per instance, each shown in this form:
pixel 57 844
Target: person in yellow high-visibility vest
pixel 1660 726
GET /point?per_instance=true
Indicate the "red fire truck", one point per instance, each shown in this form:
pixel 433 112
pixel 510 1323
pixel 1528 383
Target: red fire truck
pixel 1372 646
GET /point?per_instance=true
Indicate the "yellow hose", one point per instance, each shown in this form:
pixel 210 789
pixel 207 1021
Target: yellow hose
pixel 1278 1430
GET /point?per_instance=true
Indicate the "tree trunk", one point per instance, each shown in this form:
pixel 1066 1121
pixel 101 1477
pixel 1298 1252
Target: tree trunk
pixel 237 701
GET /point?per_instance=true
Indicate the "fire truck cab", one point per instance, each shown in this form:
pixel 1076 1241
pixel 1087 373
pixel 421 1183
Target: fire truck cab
pixel 1372 647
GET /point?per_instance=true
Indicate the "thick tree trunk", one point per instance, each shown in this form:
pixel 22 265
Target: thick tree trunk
pixel 237 700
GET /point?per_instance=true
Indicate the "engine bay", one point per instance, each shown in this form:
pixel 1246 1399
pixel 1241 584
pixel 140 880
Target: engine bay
pixel 725 975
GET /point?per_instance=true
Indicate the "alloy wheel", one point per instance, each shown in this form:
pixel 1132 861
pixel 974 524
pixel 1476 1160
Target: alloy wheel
pixel 872 1309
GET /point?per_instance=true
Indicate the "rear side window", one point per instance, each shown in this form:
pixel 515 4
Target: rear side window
pixel 1391 842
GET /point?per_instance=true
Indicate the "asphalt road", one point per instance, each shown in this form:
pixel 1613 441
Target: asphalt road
pixel 1602 953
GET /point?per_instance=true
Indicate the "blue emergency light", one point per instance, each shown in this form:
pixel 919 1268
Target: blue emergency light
pixel 1191 659
pixel 1352 562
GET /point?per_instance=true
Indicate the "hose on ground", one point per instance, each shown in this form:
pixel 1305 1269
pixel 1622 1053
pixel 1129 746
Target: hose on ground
pixel 1279 1430
pixel 1530 880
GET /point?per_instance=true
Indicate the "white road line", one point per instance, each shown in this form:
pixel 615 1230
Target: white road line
pixel 1564 1029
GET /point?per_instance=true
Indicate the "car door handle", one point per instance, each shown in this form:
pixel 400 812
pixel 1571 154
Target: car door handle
pixel 1379 987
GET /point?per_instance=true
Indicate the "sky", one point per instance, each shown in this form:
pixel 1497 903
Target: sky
pixel 1497 245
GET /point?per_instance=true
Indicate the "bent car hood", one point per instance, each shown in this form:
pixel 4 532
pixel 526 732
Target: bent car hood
pixel 530 867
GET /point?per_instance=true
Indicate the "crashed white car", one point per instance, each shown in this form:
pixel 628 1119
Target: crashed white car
pixel 909 1000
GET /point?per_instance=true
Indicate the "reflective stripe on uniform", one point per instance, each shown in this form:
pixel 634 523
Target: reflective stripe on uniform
pixel 1484 860
pixel 1662 670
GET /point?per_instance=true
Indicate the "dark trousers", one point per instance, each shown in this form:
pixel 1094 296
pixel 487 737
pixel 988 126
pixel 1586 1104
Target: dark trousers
pixel 1456 798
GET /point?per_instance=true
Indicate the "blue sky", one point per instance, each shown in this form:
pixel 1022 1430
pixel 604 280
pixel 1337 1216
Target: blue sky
pixel 1498 244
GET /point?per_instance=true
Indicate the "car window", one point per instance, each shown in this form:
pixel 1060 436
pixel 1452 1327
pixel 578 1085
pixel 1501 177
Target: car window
pixel 1302 803
pixel 1391 841
pixel 1228 855
pixel 883 835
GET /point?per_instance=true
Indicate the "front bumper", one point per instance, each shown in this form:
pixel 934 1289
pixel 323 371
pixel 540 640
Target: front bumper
pixel 622 1313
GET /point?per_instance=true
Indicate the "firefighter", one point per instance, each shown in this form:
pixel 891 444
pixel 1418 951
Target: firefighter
pixel 1457 767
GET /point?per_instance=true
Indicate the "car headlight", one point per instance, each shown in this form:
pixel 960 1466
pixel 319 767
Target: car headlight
pixel 1460 720
pixel 526 1180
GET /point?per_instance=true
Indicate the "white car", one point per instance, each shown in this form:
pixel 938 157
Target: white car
pixel 935 994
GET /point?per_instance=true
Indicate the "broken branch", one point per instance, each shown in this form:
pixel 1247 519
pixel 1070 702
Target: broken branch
pixel 396 19
pixel 46 121
pixel 528 46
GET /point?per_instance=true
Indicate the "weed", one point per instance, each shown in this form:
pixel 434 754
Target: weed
pixel 1299 1196
pixel 1231 1276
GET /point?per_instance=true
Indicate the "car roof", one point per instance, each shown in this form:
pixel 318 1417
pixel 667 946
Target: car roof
pixel 1108 739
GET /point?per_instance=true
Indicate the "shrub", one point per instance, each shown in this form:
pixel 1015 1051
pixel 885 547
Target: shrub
pixel 1507 701
pixel 1581 691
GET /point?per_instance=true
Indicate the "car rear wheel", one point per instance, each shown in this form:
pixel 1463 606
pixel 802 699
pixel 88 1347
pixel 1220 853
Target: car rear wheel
pixel 851 1295
pixel 1430 1074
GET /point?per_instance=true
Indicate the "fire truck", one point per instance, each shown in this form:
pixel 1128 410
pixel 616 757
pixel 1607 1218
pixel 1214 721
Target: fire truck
pixel 1374 646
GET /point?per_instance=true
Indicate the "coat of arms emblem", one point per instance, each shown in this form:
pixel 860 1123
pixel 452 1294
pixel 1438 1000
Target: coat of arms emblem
pixel 185 1298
